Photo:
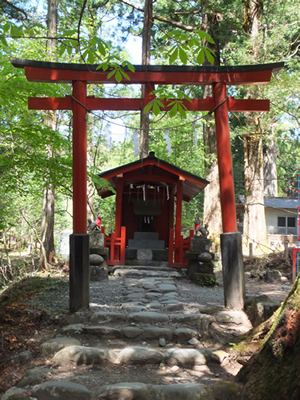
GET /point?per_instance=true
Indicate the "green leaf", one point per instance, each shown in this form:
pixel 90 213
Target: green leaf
pixel 102 49
pixel 118 76
pixel 173 56
pixel 200 57
pixel 130 66
pixel 181 110
pixel 204 35
pixel 111 73
pixel 91 57
pixel 182 55
pixel 125 75
pixel 148 107
pixel 156 109
pixel 182 95
pixel 61 49
pixel 173 110
pixel 4 42
pixel 209 55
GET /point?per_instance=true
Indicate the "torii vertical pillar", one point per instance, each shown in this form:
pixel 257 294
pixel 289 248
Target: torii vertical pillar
pixel 79 240
pixel 231 241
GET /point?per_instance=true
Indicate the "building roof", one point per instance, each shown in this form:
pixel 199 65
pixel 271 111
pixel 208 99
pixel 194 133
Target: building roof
pixel 153 171
pixel 281 202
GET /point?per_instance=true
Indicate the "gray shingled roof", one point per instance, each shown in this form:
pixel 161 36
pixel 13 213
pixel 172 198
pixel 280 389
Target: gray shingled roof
pixel 281 202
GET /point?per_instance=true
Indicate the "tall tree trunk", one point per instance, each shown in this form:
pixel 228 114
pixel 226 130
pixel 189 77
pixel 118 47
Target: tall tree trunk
pixel 47 225
pixel 212 204
pixel 254 219
pixel 145 119
pixel 270 169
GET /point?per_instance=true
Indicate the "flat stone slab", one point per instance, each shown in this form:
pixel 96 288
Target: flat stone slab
pixel 59 390
pixel 140 355
pixel 183 335
pixel 33 376
pixel 183 391
pixel 132 332
pixel 157 333
pixel 186 318
pixel 124 390
pixel 100 330
pixel 81 355
pixel 186 358
pixel 106 316
pixel 149 317
pixel 173 306
pixel 167 287
pixel 54 345
pixel 145 273
pixel 130 308
pixel 75 328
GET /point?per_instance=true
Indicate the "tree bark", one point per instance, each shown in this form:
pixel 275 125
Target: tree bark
pixel 254 219
pixel 273 372
pixel 47 224
pixel 270 170
pixel 146 48
pixel 212 203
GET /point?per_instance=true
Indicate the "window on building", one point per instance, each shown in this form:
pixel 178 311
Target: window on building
pixel 286 225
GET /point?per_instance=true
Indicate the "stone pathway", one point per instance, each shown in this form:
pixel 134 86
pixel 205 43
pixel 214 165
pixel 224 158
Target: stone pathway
pixel 149 346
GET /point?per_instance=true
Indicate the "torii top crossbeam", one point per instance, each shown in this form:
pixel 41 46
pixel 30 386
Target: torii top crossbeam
pixel 82 74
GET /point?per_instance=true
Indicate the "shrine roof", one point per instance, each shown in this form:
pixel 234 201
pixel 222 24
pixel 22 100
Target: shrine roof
pixel 42 71
pixel 153 171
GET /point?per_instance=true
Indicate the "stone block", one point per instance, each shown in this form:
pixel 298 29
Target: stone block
pixel 130 254
pixel 104 252
pixel 200 244
pixel 204 279
pixel 97 239
pixel 98 273
pixel 205 257
pixel 144 254
pixel 96 259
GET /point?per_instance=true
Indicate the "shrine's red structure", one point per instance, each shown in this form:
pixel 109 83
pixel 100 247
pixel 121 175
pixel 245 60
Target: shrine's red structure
pixel 145 202
pixel 80 75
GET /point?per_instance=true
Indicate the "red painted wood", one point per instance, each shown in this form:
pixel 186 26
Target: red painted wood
pixel 178 210
pixel 79 159
pixel 171 247
pixel 37 74
pixel 151 178
pixel 161 165
pixel 248 105
pixel 123 245
pixel 224 159
pixel 118 217
pixel 65 103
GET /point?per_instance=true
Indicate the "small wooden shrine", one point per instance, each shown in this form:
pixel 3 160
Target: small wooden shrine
pixel 149 194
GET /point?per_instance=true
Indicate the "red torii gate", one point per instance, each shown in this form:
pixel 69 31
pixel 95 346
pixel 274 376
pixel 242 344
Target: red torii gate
pixel 79 75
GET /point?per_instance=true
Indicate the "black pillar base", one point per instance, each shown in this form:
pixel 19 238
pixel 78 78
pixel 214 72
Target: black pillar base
pixel 233 270
pixel 79 272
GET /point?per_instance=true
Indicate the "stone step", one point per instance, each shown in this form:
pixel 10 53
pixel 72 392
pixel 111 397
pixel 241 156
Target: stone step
pixel 146 244
pixel 59 390
pixel 185 357
pixel 146 236
pixel 140 273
